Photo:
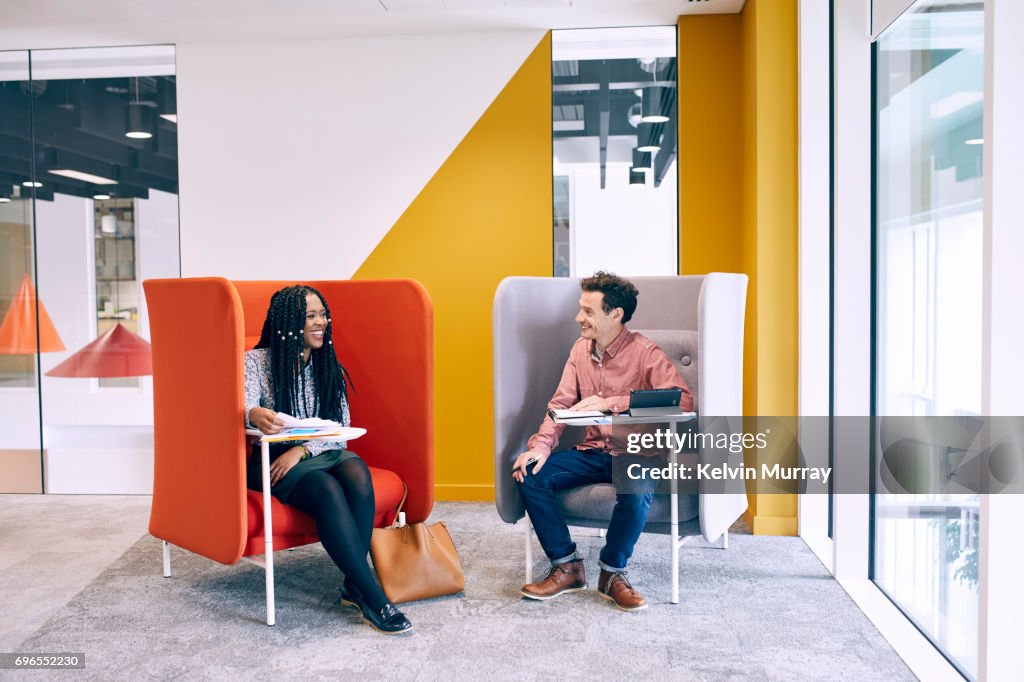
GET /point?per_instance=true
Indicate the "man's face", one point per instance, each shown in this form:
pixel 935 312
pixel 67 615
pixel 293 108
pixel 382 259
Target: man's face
pixel 594 322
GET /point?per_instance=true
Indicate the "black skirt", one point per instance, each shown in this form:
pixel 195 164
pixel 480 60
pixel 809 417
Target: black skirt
pixel 283 488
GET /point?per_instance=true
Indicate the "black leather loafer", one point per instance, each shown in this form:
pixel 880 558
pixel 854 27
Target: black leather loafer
pixel 350 597
pixel 388 619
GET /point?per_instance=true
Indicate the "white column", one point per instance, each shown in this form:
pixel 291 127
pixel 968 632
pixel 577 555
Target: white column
pixel 814 159
pixel 1001 554
pixel 852 281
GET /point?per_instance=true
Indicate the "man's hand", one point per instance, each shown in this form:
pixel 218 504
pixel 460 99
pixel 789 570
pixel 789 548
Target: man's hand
pixel 594 402
pixel 283 464
pixel 519 468
pixel 265 420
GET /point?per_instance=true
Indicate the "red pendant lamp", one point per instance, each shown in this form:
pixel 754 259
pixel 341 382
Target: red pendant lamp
pixel 18 330
pixel 117 353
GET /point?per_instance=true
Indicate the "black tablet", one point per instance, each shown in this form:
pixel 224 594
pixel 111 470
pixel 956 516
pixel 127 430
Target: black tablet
pixel 654 402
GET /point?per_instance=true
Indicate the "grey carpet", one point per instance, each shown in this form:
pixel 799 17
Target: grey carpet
pixel 763 609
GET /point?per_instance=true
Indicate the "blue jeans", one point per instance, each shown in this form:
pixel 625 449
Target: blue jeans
pixel 570 469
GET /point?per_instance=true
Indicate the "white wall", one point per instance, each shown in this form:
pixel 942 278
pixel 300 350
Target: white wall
pixel 296 158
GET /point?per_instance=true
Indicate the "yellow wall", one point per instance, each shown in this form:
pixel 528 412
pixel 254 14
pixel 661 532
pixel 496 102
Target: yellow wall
pixel 485 215
pixel 775 81
pixel 752 209
pixel 710 149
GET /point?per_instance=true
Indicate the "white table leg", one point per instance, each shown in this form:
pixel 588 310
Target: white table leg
pixel 674 531
pixel 529 549
pixel 167 559
pixel 268 533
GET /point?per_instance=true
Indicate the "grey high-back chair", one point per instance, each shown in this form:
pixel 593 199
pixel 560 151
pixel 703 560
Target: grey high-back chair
pixel 696 319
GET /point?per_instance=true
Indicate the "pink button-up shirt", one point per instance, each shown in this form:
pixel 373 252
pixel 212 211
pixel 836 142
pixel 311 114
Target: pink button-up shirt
pixel 632 361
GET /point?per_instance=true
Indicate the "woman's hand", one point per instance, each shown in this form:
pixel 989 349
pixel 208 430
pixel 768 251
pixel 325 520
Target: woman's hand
pixel 283 464
pixel 265 420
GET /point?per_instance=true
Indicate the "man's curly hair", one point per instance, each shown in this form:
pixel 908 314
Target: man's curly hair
pixel 618 292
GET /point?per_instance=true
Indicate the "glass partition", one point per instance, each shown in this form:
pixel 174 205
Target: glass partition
pixel 20 443
pixel 614 151
pixel 929 84
pixel 101 145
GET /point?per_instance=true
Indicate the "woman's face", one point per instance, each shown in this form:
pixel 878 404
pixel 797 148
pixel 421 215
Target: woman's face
pixel 316 322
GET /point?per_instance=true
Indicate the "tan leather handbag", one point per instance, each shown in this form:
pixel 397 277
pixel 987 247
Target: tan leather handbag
pixel 416 561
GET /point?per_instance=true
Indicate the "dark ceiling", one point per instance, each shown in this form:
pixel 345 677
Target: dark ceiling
pixel 80 125
pixel 600 92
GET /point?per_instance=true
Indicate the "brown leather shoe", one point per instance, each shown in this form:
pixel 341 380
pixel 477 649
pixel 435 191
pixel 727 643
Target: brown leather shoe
pixel 615 588
pixel 568 577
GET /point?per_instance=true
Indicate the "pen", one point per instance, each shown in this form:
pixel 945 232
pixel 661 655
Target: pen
pixel 532 460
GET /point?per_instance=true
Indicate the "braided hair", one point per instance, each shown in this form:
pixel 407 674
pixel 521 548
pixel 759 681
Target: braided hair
pixel 283 336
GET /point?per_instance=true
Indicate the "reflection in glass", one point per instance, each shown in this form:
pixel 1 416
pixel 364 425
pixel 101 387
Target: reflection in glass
pixel 20 451
pixel 117 290
pixel 929 89
pixel 613 99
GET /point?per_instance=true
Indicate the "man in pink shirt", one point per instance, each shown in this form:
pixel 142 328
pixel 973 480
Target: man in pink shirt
pixel 605 364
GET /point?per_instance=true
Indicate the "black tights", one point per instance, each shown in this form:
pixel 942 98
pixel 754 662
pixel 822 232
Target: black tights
pixel 341 501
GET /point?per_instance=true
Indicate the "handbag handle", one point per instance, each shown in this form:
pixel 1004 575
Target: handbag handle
pixel 398 511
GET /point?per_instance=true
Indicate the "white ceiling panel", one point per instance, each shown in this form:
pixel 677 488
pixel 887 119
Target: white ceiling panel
pixel 538 4
pixel 61 23
pixel 473 4
pixel 412 5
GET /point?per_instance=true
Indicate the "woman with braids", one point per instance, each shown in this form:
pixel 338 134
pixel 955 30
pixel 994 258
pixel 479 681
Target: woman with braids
pixel 293 370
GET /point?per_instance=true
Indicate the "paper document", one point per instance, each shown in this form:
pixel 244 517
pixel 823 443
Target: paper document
pixel 576 414
pixel 336 431
pixel 311 427
pixel 290 422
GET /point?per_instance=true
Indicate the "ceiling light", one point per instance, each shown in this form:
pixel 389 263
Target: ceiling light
pixel 117 353
pixel 654 104
pixel 138 121
pixel 641 160
pixel 975 140
pixel 566 126
pixel 27 326
pixel 100 197
pixel 85 177
pixel 167 100
pixel 138 118
pixel 30 183
pixel 637 177
pixel 648 136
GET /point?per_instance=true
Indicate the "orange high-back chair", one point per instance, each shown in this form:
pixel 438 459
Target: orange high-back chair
pixel 200 328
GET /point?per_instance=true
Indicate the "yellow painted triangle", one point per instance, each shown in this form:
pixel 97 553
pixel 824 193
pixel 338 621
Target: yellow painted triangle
pixel 485 215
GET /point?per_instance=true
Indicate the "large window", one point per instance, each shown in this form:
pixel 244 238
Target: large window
pixel 614 152
pixel 929 84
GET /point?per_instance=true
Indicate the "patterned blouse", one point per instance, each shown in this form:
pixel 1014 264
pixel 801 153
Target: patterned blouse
pixel 259 392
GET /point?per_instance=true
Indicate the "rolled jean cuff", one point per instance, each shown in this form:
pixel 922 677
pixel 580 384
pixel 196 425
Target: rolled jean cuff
pixel 575 556
pixel 610 569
